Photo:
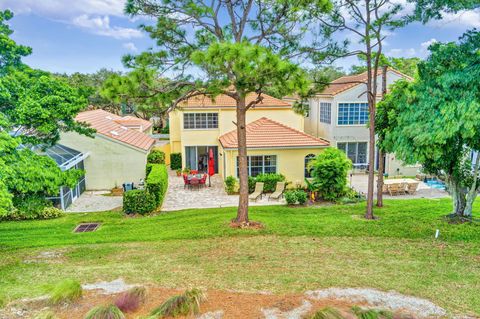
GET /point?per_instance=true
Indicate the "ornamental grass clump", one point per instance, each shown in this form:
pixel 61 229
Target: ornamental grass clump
pixel 131 300
pixel 105 312
pixel 46 315
pixel 328 313
pixel 371 313
pixel 66 291
pixel 185 304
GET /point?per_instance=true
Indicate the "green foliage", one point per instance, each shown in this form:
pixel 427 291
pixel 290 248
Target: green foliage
pixel 293 197
pixel 138 201
pixel 185 304
pixel 105 312
pixel 327 313
pixel 176 161
pixel 371 313
pixel 157 182
pixel 36 107
pixel 3 301
pixel 270 181
pixel 407 66
pixel 330 170
pixel 230 183
pixel 32 207
pixel 66 291
pixel 435 120
pixel 156 157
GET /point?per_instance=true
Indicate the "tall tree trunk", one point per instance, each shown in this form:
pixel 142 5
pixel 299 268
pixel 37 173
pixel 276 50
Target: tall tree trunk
pixel 381 171
pixel 472 193
pixel 371 158
pixel 381 156
pixel 242 212
pixel 458 196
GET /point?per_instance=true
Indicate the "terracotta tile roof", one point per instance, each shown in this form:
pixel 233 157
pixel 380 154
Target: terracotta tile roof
pixel 106 124
pixel 266 133
pixel 222 100
pixel 134 121
pixel 347 82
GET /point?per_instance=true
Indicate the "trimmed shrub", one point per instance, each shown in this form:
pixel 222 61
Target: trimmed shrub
pixel 138 201
pixel 52 212
pixel 230 183
pixel 29 207
pixel 330 171
pixel 157 182
pixel 105 312
pixel 66 291
pixel 176 161
pixel 270 181
pixel 301 197
pixel 156 157
pixel 131 300
pixel 181 305
pixel 290 197
pixel 293 197
pixel 148 169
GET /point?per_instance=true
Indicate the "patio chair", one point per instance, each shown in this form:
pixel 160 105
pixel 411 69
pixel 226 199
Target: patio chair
pixel 278 193
pixel 394 189
pixel 258 192
pixel 403 188
pixel 185 181
pixel 412 188
pixel 203 180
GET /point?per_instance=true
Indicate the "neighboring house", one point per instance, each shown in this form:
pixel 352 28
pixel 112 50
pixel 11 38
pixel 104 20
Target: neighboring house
pixel 275 139
pixel 340 114
pixel 116 155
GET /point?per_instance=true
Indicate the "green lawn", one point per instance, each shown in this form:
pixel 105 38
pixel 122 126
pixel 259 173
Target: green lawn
pixel 299 249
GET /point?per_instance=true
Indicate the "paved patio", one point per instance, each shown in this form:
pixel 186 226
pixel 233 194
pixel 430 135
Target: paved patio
pixel 359 183
pixel 95 201
pixel 206 197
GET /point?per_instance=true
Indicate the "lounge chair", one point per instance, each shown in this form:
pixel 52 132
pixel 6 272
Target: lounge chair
pixel 278 193
pixel 394 189
pixel 412 188
pixel 258 192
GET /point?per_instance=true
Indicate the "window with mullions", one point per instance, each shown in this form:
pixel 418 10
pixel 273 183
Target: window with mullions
pixel 325 112
pixel 356 151
pixel 200 120
pixel 352 113
pixel 262 164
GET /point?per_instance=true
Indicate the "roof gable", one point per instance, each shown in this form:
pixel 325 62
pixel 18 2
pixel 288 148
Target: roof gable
pixel 266 133
pixel 110 125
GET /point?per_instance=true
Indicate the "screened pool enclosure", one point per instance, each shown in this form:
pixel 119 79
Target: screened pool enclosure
pixel 67 158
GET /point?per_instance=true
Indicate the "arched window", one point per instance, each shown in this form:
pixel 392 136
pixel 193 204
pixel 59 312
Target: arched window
pixel 308 159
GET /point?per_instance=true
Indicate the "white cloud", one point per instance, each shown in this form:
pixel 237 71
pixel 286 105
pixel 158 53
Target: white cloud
pixel 428 43
pixel 401 53
pixel 130 46
pixel 64 9
pixel 462 19
pixel 101 26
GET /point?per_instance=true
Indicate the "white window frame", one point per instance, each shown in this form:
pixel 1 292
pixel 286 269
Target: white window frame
pixel 210 122
pixel 356 151
pixel 351 102
pixel 325 108
pixel 263 164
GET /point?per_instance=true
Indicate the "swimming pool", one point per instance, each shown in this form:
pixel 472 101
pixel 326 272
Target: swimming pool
pixel 435 183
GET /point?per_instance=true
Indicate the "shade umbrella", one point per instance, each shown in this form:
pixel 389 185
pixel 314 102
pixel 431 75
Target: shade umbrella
pixel 211 166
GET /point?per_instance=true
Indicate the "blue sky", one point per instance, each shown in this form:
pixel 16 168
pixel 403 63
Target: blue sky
pixel 86 35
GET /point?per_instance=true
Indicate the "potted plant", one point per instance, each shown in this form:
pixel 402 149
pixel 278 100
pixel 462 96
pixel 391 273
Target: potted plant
pixel 186 171
pixel 117 191
pixel 179 172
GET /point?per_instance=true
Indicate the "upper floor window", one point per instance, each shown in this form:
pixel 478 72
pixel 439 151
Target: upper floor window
pixel 200 120
pixel 325 112
pixel 352 113
pixel 356 151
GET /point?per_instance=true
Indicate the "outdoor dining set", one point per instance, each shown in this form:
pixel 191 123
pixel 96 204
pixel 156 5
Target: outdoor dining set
pixel 396 187
pixel 194 180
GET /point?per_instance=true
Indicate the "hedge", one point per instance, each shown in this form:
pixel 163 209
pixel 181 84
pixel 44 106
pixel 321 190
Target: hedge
pixel 138 201
pixel 270 181
pixel 157 182
pixel 156 157
pixel 176 161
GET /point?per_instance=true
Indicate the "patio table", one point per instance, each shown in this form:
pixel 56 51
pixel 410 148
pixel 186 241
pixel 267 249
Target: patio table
pixel 399 181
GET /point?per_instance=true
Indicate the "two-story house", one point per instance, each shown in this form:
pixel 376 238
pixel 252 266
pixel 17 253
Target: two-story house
pixel 340 114
pixel 276 141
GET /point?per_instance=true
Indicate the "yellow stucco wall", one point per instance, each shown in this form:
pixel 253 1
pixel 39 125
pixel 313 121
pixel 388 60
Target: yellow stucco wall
pixel 179 138
pixel 290 162
pixel 110 163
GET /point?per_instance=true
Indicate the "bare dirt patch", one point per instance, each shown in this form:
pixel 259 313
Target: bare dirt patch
pixel 219 304
pixel 246 225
